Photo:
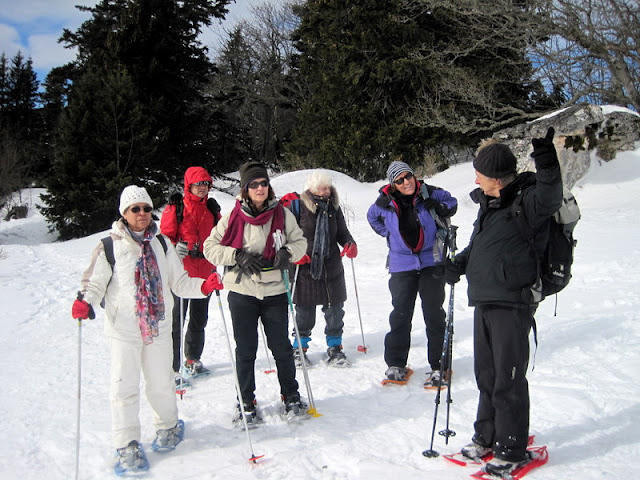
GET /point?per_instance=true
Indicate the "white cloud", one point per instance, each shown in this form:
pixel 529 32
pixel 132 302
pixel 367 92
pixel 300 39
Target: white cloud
pixel 48 53
pixel 53 10
pixel 10 41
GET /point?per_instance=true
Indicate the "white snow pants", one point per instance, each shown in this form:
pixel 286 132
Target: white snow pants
pixel 154 360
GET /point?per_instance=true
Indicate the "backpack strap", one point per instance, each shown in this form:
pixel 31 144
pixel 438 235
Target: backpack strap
pixel 107 243
pixel 528 234
pixel 162 241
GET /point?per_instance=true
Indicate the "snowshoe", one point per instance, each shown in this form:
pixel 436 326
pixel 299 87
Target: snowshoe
pixel 474 454
pixel 250 414
pixel 397 375
pixel 337 358
pixel 169 438
pixel 299 359
pixel 130 460
pixel 497 469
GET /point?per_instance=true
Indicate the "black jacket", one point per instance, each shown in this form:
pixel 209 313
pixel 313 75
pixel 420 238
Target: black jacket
pixel 331 288
pixel 499 264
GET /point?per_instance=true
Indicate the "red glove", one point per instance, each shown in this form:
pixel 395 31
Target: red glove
pixel 304 260
pixel 213 282
pixel 350 250
pixel 81 310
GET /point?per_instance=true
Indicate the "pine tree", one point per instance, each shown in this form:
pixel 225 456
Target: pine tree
pixel 136 112
pixel 389 78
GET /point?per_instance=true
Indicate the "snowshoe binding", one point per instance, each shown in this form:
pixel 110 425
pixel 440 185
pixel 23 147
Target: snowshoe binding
pixel 337 358
pixel 130 460
pixel 250 414
pixel 298 360
pixel 194 368
pixel 169 438
pixel 294 408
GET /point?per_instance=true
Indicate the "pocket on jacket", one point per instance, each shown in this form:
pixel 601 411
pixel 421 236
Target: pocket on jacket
pixel 516 271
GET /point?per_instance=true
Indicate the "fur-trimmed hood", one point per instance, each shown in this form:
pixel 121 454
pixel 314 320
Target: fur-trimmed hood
pixel 309 202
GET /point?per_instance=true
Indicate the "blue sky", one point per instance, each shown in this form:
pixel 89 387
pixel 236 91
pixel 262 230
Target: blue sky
pixel 34 26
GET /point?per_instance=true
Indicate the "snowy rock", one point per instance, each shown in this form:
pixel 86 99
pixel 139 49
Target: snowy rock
pixel 580 130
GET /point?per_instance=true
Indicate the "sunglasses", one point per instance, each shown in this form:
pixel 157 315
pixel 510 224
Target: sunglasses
pixel 136 209
pixel 400 181
pixel 204 183
pixel 256 184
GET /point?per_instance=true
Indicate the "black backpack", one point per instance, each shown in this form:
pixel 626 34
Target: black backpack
pixel 554 263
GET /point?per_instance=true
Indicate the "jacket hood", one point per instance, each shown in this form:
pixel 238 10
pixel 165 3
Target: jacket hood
pixel 194 175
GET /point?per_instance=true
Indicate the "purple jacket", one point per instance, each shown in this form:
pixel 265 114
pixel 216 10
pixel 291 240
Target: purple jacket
pixel 383 218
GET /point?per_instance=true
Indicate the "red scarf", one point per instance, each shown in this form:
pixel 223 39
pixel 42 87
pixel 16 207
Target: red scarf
pixel 235 229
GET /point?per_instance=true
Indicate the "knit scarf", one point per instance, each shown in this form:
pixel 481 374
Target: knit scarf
pixel 238 219
pixel 149 297
pixel 320 249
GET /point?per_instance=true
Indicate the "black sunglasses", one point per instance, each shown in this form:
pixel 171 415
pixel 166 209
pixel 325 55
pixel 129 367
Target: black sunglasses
pixel 400 181
pixel 136 209
pixel 203 183
pixel 256 184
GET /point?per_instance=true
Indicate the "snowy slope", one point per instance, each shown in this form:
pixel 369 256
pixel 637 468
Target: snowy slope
pixel 584 389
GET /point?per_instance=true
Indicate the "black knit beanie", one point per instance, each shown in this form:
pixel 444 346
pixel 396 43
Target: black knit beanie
pixel 250 171
pixel 495 161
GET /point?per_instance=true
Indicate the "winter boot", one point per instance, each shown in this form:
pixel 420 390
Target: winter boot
pixel 398 374
pixel 474 451
pixel 503 468
pixel 299 359
pixel 336 358
pixel 195 368
pixel 294 406
pixel 130 459
pixel 169 438
pixel 250 414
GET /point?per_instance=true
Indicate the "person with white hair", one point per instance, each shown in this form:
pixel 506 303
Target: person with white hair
pixel 136 284
pixel 321 275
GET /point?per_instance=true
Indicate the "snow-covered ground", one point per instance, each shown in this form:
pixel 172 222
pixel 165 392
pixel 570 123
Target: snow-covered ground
pixel 585 387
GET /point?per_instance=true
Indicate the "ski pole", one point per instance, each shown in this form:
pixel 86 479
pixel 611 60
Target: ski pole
pixel 181 389
pixel 361 348
pixel 254 458
pixel 78 398
pixel 277 237
pixel 266 351
pixel 445 359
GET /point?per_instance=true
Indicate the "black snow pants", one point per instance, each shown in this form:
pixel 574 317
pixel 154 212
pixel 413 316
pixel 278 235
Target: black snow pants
pixel 404 287
pixel 194 336
pixel 245 312
pixel 501 358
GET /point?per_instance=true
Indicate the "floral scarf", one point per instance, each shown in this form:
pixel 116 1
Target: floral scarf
pixel 149 297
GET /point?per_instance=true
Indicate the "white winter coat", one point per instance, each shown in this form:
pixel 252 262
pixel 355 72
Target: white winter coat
pixel 118 287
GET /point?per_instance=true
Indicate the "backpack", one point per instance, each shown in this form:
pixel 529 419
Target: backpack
pixel 292 202
pixel 554 263
pixel 107 243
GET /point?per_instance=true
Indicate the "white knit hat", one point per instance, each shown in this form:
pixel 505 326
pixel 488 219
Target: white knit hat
pixel 133 194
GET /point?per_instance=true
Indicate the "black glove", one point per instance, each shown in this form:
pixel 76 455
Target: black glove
pixel 281 261
pixel 452 271
pixel 544 152
pixel 440 208
pixel 248 263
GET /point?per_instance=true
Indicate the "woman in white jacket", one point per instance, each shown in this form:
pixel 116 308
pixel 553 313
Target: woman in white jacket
pixel 137 293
